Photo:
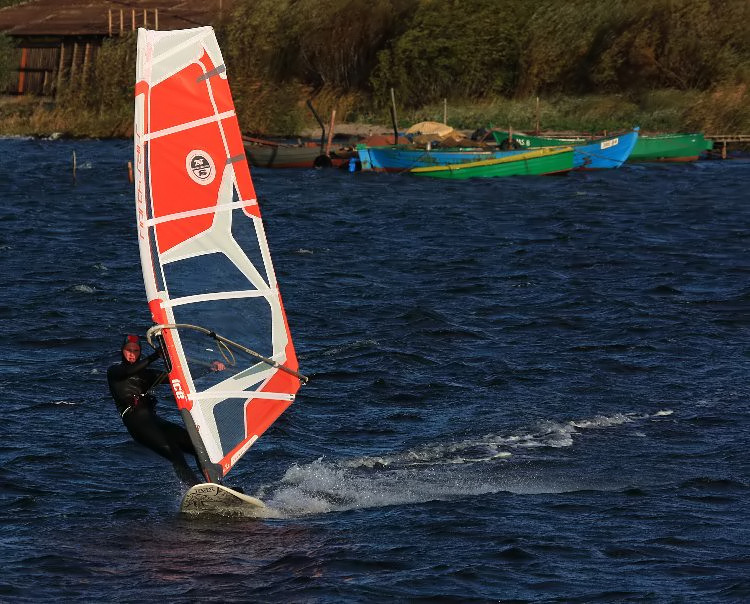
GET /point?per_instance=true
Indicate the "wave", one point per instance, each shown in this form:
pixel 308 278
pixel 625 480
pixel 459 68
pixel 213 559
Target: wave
pixel 431 472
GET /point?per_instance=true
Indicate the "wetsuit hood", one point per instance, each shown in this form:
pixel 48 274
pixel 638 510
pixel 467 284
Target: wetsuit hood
pixel 130 339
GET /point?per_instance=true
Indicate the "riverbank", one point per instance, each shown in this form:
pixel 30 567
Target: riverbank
pixel 720 111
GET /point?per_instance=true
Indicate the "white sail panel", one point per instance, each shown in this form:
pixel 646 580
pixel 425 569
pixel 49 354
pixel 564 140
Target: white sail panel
pixel 204 254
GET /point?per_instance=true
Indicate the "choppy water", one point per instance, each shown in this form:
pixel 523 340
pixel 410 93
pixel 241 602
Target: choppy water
pixel 522 389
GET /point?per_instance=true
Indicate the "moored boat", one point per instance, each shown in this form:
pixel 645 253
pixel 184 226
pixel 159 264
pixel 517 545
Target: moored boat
pixel 605 153
pixel 671 147
pixel 272 154
pixel 536 162
pixel 677 147
pixel 401 158
pixel 599 154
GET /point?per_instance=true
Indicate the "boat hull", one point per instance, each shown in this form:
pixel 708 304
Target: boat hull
pixel 657 147
pixel 537 162
pixel 278 156
pixel 671 148
pixel 606 153
pixel 400 158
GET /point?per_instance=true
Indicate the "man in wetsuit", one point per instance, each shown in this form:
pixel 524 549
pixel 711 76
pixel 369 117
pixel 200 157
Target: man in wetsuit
pixel 129 382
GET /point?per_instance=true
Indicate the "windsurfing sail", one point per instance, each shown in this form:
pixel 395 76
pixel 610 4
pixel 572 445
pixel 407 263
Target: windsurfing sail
pixel 210 283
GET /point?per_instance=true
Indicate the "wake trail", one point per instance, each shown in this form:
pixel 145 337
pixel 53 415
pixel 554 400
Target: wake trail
pixel 435 471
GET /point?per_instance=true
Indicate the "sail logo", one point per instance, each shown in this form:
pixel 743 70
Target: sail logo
pixel 177 389
pixel 200 167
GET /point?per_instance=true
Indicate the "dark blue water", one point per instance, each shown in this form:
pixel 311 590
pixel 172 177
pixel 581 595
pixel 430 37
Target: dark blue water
pixel 530 389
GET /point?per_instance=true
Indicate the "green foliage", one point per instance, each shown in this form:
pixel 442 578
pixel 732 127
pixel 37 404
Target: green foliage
pixel 596 64
pixel 589 46
pixel 8 61
pixel 451 50
pixel 280 52
pixel 102 97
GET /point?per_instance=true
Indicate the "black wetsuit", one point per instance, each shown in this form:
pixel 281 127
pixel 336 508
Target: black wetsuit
pixel 129 384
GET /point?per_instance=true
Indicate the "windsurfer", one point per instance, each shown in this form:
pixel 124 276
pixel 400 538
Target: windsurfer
pixel 130 382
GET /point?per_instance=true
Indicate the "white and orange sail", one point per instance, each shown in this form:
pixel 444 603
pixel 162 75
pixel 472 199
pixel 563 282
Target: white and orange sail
pixel 207 268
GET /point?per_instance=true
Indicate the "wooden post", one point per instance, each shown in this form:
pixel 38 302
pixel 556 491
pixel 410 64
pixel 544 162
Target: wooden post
pixel 60 67
pixel 22 70
pixel 724 150
pixel 122 22
pixel 145 17
pixel 445 111
pixel 73 63
pixel 74 164
pixel 537 115
pixel 130 171
pixel 156 19
pixel 132 16
pixel 394 118
pixel 330 132
pixel 110 22
pixel 86 61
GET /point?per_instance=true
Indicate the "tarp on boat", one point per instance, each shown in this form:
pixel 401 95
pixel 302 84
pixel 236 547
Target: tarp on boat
pixel 441 130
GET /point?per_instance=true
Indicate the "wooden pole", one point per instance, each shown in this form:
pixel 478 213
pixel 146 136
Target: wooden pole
pixel 122 22
pixel 445 111
pixel 537 115
pixel 110 22
pixel 156 19
pixel 330 132
pixel 130 171
pixel 73 63
pixel 60 67
pixel 22 70
pixel 132 16
pixel 74 164
pixel 86 60
pixel 394 118
pixel 145 17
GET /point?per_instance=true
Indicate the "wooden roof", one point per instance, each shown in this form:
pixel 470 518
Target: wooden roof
pixel 91 18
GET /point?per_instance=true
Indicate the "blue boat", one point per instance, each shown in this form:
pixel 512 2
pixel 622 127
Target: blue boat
pixel 604 153
pixel 402 158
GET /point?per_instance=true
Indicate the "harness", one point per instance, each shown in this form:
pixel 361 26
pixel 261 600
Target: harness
pixel 147 401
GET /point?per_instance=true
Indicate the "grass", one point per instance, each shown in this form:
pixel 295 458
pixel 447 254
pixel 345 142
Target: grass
pixel 724 110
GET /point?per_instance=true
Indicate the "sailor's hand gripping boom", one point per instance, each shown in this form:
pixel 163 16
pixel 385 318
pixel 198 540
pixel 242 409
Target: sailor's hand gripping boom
pixel 225 346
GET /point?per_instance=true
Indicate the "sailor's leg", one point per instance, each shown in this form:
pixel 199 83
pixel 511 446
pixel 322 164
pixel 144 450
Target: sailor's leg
pixel 150 431
pixel 178 437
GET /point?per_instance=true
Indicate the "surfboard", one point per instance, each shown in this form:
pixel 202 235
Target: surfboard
pixel 210 497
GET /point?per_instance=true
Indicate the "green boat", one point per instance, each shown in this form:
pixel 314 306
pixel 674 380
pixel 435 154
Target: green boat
pixel 670 147
pixel 655 147
pixel 547 160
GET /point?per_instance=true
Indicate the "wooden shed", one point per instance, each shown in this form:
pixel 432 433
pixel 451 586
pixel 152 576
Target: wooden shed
pixel 57 40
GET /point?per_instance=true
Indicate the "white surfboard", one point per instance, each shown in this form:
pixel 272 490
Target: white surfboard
pixel 209 497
